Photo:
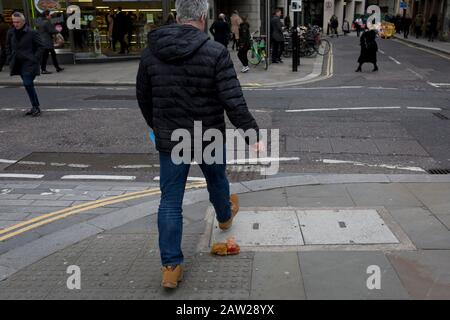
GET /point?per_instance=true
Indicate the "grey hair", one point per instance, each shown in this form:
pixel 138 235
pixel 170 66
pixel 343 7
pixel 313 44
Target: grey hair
pixel 18 14
pixel 191 10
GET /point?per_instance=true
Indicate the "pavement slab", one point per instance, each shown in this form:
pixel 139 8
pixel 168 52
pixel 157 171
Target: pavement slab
pixel 424 274
pixel 343 275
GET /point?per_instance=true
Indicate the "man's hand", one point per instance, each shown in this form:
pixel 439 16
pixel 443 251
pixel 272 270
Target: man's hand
pixel 259 146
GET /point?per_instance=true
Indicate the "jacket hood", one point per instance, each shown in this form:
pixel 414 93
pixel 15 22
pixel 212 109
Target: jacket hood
pixel 175 42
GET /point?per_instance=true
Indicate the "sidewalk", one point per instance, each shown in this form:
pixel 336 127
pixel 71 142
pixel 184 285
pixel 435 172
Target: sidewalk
pixel 124 74
pixel 302 237
pixel 440 46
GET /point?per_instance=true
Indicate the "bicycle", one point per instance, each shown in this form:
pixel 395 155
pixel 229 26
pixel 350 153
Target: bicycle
pixel 257 52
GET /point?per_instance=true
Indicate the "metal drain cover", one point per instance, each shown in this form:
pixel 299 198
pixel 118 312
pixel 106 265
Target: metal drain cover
pixel 311 228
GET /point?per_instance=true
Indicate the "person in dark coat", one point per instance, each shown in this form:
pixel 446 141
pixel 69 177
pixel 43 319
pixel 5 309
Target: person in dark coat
pixel 369 50
pixel 120 29
pixel 432 27
pixel 277 37
pixel 4 27
pixel 406 25
pixel 24 49
pixel 244 43
pixel 185 77
pixel 47 31
pixel 220 30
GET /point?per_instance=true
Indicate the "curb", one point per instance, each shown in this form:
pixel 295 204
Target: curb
pixel 311 77
pixel 19 258
pixel 419 45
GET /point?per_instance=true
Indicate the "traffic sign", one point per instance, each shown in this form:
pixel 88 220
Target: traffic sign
pixel 296 6
pixel 403 5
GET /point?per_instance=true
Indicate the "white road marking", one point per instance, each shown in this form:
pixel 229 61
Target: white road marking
pixel 7 161
pixel 438 85
pixel 381 51
pixel 387 166
pixel 265 160
pixel 135 166
pixel 381 88
pixel 97 177
pixel 321 88
pixel 433 84
pixel 32 163
pixel 76 165
pixel 424 108
pixel 339 109
pixel 158 178
pixel 21 176
pixel 418 75
pixel 393 59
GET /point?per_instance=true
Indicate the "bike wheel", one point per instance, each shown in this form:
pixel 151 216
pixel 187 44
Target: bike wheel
pixel 253 57
pixel 323 48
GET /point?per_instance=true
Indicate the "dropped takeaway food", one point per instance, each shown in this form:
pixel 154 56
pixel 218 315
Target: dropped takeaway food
pixel 226 249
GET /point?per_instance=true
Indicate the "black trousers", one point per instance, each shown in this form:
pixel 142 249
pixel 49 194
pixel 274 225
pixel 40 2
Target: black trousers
pixel 45 58
pixel 242 55
pixel 123 43
pixel 405 33
pixel 277 50
pixel 2 57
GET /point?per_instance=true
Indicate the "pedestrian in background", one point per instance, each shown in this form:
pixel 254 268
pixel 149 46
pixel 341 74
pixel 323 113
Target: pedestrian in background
pixel 334 24
pixel 120 29
pixel 170 19
pixel 406 25
pixel 346 27
pixel 358 26
pixel 220 29
pixel 24 48
pixel 236 21
pixel 432 27
pixel 277 37
pixel 4 27
pixel 110 26
pixel 369 50
pixel 244 43
pixel 418 24
pixel 195 80
pixel 47 32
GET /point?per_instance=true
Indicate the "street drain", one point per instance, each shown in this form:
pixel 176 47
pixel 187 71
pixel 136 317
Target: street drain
pixel 438 171
pixel 440 116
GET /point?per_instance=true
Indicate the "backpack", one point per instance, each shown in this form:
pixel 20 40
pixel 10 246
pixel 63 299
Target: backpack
pixel 244 34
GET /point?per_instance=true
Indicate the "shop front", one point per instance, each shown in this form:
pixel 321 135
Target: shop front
pixel 98 38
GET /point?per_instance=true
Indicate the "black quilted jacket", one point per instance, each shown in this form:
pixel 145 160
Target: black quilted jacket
pixel 185 77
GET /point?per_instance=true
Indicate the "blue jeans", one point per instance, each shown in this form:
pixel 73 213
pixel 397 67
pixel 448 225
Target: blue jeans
pixel 170 220
pixel 29 87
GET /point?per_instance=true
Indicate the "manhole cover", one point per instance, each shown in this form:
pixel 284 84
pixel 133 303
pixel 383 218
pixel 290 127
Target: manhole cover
pixel 266 229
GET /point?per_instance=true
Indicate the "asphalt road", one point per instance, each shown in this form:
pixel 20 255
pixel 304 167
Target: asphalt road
pixel 391 121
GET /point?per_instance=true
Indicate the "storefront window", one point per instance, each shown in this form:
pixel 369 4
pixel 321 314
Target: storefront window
pixel 103 29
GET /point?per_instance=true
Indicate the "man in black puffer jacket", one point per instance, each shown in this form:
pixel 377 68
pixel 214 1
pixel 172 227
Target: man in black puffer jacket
pixel 185 77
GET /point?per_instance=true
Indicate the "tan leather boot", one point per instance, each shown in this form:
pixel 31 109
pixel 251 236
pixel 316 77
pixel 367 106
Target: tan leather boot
pixel 234 201
pixel 171 276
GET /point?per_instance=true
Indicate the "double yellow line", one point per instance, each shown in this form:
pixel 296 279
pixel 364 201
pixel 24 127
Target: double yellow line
pixel 34 223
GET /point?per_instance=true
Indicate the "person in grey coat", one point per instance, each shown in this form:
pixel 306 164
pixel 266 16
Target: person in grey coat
pixel 24 49
pixel 277 37
pixel 47 31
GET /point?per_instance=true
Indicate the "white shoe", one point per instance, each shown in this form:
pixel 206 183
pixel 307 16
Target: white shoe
pixel 245 69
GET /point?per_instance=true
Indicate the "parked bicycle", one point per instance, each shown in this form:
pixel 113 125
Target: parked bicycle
pixel 310 42
pixel 257 52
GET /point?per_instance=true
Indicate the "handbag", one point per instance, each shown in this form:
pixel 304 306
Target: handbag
pixel 58 40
